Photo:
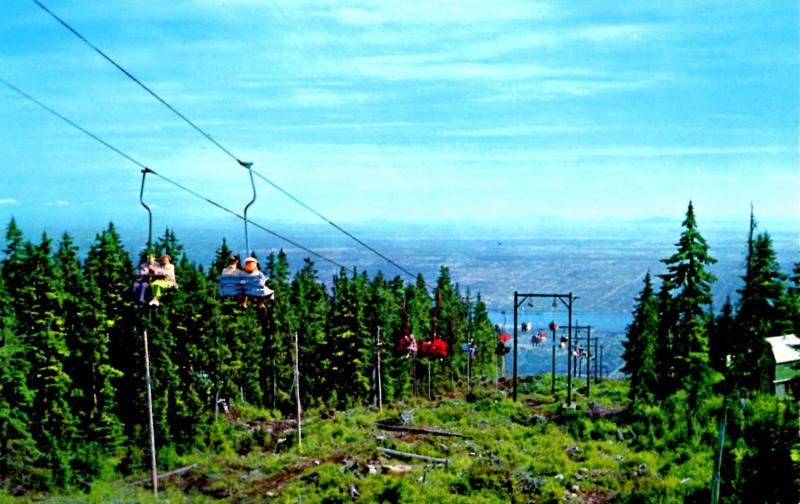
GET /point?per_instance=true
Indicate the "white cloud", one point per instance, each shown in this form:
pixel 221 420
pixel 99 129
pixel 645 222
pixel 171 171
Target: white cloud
pixel 378 12
pixel 432 67
pixel 521 130
pixel 58 203
pixel 612 32
pixel 326 98
pixel 8 201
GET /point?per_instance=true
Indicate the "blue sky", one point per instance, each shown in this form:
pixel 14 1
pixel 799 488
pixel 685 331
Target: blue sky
pixel 468 111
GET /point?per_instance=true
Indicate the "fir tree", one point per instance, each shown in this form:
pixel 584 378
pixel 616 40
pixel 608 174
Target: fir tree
pixel 310 305
pixel 42 323
pixel 92 396
pixel 640 347
pixel 483 335
pixel 221 257
pixel 188 411
pixel 351 341
pixel 793 299
pixel 279 327
pixel 14 256
pixel 665 357
pixel 18 451
pixel 689 283
pixel 721 337
pixel 759 313
pixel 390 296
pixel 451 324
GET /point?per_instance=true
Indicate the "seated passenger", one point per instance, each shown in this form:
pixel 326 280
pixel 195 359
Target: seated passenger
pixel 232 268
pixel 255 283
pixel 230 283
pixel 166 280
pixel 141 283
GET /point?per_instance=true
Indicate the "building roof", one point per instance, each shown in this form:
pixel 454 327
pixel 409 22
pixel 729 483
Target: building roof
pixel 785 348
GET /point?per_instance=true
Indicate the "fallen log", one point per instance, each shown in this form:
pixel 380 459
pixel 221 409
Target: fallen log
pixel 415 430
pixel 176 472
pixel 407 455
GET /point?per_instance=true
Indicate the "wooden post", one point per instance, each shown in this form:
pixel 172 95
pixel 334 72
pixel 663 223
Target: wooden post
pixel 596 361
pixel 380 388
pixel 495 371
pixel 469 362
pixel 569 352
pixel 153 468
pixel 717 477
pixel 514 367
pixel 553 380
pixel 588 354
pixel 602 366
pixel 429 380
pixel 297 394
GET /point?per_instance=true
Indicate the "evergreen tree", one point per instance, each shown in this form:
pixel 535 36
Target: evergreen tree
pixel 221 257
pixel 721 337
pixel 390 296
pixel 483 336
pixel 757 464
pixel 279 327
pixel 665 357
pixel 18 451
pixel 760 313
pixel 640 347
pixel 689 283
pixel 451 325
pixel 42 323
pixel 109 274
pixel 793 299
pixel 168 244
pixel 351 342
pixel 92 398
pixel 188 411
pixel 14 256
pixel 310 305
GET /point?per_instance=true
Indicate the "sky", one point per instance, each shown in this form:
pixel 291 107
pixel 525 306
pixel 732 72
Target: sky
pixel 411 112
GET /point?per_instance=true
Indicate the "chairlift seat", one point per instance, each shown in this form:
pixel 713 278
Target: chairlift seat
pixel 230 285
pixel 243 284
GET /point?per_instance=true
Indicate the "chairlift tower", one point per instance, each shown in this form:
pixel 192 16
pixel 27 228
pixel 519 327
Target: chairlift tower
pixel 566 300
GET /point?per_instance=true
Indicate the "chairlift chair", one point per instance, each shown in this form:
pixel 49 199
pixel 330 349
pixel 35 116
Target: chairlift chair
pixel 242 283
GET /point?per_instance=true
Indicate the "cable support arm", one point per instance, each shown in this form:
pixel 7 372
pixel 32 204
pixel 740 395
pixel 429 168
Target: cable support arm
pixel 247 207
pixel 145 171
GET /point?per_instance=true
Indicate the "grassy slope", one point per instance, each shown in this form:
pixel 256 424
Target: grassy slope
pixel 518 452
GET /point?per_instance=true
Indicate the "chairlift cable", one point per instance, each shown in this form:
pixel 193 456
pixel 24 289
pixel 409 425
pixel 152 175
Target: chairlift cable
pixel 133 78
pixel 188 121
pixel 339 228
pixel 166 179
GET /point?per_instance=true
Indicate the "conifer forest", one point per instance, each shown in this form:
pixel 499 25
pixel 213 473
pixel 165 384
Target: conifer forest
pixel 697 411
pixel 399 251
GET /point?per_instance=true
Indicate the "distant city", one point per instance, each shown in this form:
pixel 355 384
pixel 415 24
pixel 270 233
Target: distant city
pixel 603 265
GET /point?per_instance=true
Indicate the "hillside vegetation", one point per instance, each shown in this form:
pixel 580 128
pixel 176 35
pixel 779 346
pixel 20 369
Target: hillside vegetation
pixel 534 450
pixel 697 420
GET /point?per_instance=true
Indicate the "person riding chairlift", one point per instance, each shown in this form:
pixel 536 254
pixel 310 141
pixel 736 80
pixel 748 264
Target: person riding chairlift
pixel 233 266
pixel 251 270
pixel 142 281
pixel 407 345
pixel 167 280
pixel 435 348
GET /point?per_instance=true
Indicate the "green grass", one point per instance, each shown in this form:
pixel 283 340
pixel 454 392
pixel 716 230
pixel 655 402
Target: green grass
pixel 534 450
